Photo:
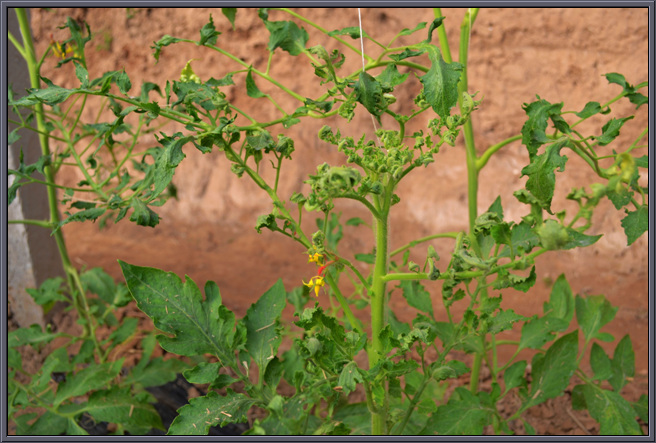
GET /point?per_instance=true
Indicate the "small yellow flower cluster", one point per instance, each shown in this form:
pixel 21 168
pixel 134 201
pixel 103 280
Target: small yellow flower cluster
pixel 316 282
pixel 59 50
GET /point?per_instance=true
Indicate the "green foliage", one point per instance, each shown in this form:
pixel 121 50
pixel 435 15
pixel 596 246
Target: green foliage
pixel 304 375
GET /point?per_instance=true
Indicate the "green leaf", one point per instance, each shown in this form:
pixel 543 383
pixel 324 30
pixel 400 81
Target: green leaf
pixel 541 178
pixel 503 321
pixel 197 326
pixel 592 313
pixel 142 215
pixel 642 408
pixel 560 308
pixel 262 335
pixel 590 109
pixel 230 14
pixel 155 372
pixel 50 291
pixel 119 405
pixel 355 221
pixel 98 282
pixel 600 363
pixel 29 336
pixel 286 36
pixel 51 95
pixel 369 92
pixel 513 377
pixel 462 415
pixel 201 413
pixel 88 379
pixel 614 414
pixel 251 88
pixel 623 364
pixel 416 295
pixel 441 82
pixel 577 239
pixel 636 223
pixel 47 424
pixel 208 33
pixel 356 416
pixel 82 74
pixel 552 371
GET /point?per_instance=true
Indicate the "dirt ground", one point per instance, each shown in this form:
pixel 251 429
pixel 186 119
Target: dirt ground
pixel 560 54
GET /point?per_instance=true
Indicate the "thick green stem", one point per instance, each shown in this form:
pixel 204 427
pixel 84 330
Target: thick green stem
pixel 379 307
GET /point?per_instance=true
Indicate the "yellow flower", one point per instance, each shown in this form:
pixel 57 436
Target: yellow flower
pixel 59 50
pixel 316 258
pixel 315 282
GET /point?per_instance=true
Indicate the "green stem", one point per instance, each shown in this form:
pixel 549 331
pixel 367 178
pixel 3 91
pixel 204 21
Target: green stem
pixel 379 303
pixel 423 239
pixel 75 285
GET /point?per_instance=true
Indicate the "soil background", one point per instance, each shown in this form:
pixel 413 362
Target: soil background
pixel 560 54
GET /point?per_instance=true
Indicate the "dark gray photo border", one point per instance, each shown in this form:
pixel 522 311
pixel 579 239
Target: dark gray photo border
pixel 5 5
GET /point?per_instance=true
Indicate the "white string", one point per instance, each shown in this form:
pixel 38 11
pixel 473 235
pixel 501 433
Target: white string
pixel 373 120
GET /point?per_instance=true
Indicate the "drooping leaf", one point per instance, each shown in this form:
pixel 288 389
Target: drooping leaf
pixel 441 82
pixel 351 31
pixel 167 161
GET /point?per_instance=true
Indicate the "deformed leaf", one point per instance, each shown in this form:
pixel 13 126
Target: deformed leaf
pixel 369 92
pixel 208 33
pixel 350 377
